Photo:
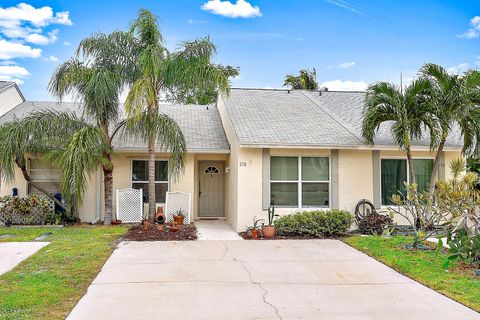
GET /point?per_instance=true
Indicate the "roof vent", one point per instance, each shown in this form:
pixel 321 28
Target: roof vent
pixel 320 92
pixel 288 91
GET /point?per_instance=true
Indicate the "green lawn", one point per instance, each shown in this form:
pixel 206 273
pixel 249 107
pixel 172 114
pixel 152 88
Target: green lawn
pixel 423 266
pixel 48 284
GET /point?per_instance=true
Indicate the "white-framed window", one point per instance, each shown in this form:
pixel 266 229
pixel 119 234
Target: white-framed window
pixel 140 178
pixel 394 172
pixel 44 174
pixel 300 182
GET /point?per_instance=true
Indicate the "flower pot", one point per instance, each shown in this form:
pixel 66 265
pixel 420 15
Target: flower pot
pixel 146 224
pixel 160 216
pixel 115 222
pixel 254 234
pixel 269 231
pixel 174 228
pixel 160 227
pixel 178 219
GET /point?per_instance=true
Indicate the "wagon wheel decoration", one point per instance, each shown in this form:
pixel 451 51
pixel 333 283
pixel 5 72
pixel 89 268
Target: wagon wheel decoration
pixel 363 208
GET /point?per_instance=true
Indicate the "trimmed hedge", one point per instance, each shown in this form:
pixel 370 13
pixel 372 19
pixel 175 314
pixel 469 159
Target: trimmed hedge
pixel 318 224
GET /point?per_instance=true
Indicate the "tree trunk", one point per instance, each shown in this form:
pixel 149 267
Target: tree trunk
pixel 436 166
pixel 151 178
pixel 108 187
pixel 411 168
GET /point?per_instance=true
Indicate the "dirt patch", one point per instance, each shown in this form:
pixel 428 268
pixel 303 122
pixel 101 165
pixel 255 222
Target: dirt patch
pixel 185 233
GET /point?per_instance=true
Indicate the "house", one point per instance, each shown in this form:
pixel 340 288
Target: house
pixel 301 149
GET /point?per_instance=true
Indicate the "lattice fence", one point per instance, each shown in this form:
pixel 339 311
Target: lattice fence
pixel 176 201
pixel 39 215
pixel 130 205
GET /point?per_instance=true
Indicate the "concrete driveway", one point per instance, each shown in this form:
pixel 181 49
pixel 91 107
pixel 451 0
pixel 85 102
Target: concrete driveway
pixel 318 279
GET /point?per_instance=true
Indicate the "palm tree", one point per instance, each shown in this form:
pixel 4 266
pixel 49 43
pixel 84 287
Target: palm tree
pixel 158 71
pixel 456 101
pixel 405 109
pixel 306 80
pixel 95 76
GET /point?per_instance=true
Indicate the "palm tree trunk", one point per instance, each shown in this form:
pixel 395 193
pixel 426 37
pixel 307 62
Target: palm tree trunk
pixel 108 187
pixel 151 178
pixel 411 168
pixel 436 165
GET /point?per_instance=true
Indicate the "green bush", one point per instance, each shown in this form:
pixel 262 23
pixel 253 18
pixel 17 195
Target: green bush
pixel 28 210
pixel 316 224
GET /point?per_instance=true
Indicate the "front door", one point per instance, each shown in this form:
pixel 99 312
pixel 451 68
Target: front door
pixel 211 189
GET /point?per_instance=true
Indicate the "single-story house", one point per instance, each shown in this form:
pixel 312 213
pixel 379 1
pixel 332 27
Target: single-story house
pixel 301 149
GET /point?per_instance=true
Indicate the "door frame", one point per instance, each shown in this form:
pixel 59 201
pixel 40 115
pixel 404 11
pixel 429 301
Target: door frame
pixel 200 162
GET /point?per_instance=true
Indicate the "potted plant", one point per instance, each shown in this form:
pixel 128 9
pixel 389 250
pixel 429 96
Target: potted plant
pixel 269 229
pixel 179 216
pixel 146 222
pixel 254 230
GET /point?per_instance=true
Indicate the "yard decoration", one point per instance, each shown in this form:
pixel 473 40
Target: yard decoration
pixel 179 216
pixel 254 230
pixel 160 216
pixel 269 229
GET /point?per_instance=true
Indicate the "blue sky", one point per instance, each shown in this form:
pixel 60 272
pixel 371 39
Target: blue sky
pixel 350 43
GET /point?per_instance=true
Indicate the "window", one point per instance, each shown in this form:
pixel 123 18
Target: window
pixel 394 172
pixel 45 175
pixel 140 178
pixel 300 182
pixel 211 170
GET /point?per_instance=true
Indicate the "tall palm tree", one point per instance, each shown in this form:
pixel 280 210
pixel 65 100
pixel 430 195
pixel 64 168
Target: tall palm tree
pixel 306 80
pixel 405 109
pixel 95 76
pixel 456 101
pixel 157 71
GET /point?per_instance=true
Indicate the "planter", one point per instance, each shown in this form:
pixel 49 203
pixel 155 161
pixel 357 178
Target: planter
pixel 174 228
pixel 178 219
pixel 254 234
pixel 160 216
pixel 146 224
pixel 115 222
pixel 160 227
pixel 269 231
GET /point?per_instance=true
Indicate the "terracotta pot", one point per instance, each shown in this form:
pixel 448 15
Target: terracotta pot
pixel 269 231
pixel 115 222
pixel 178 219
pixel 160 227
pixel 160 216
pixel 174 228
pixel 254 234
pixel 146 224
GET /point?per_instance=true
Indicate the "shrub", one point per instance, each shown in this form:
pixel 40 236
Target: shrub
pixel 30 209
pixel 374 223
pixel 316 224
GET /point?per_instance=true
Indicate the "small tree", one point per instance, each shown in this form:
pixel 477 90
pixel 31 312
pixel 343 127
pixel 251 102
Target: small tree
pixel 306 80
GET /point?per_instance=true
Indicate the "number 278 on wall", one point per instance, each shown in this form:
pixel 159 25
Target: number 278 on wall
pixel 243 164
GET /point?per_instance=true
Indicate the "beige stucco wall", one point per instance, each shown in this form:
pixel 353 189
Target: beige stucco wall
pixel 9 99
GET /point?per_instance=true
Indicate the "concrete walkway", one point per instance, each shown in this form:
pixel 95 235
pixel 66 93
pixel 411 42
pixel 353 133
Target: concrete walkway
pixel 215 230
pixel 12 253
pixel 322 279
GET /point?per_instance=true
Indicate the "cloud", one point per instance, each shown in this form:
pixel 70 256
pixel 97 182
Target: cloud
pixel 339 85
pixel 13 73
pixel 346 5
pixel 346 65
pixel 458 68
pixel 10 50
pixel 41 39
pixel 474 30
pixel 51 58
pixel 192 21
pixel 38 17
pixel 241 9
pixel 66 43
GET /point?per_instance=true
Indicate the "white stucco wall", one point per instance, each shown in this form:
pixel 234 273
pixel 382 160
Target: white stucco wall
pixel 9 98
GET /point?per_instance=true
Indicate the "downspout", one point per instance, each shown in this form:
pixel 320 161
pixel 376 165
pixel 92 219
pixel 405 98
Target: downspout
pixel 98 200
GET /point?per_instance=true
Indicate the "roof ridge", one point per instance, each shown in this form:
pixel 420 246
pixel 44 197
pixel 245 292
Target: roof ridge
pixel 334 118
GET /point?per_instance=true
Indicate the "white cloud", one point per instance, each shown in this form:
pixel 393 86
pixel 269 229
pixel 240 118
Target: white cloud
pixel 38 17
pixel 339 85
pixel 10 50
pixel 474 30
pixel 458 68
pixel 41 39
pixel 13 73
pixel 346 5
pixel 346 65
pixel 241 9
pixel 66 43
pixel 51 58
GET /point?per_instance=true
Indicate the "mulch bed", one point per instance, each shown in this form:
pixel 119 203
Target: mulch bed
pixel 279 237
pixel 136 233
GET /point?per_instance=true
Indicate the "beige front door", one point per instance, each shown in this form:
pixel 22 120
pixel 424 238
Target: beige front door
pixel 211 189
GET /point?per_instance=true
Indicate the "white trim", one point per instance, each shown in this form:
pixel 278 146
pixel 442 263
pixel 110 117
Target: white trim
pixel 341 147
pixel 300 182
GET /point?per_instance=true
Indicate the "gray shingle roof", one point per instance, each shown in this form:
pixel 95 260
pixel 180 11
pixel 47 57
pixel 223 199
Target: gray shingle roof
pixel 277 117
pixel 5 84
pixel 201 125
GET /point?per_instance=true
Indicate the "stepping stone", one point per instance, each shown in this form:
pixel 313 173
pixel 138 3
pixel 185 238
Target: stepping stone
pixel 43 236
pixel 7 236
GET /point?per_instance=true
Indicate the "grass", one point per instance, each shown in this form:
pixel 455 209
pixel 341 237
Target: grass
pixel 424 266
pixel 48 284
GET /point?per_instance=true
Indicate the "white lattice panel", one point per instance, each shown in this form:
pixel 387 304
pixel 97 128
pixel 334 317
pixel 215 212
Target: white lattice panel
pixel 130 205
pixel 178 201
